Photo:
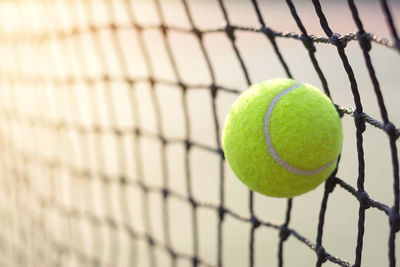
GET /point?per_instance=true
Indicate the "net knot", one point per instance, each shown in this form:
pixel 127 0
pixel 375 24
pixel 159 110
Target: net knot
pixel 221 152
pixel 106 78
pixel 150 240
pixel 188 144
pixel 137 27
pixel 128 229
pixel 364 40
pixel 308 42
pixel 143 186
pixel 195 261
pixel 95 262
pixel 230 31
pixel 75 214
pixel 284 233
pixel 111 223
pixel 192 202
pixel 268 32
pixel 255 221
pixel 89 80
pixel 74 31
pixel 122 180
pixel 97 129
pixel 130 81
pixel 221 212
pixel 62 34
pixel 182 86
pixel 137 132
pixel 70 80
pixel 118 132
pixel 93 28
pixel 163 29
pixel 394 219
pixel 172 253
pixel 336 39
pixel 364 199
pixel 105 179
pixel 359 121
pixel 151 81
pixel 198 33
pixel 162 139
pixel 330 184
pixel 113 27
pixel 321 254
pixel 339 110
pixel 165 193
pixel 391 130
pixel 214 90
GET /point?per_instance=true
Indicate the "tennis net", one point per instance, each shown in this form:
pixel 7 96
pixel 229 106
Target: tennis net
pixel 110 118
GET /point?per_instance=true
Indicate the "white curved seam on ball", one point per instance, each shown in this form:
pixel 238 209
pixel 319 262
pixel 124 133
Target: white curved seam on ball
pixel 271 148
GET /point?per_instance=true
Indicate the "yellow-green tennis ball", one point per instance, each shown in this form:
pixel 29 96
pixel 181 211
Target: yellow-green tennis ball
pixel 282 138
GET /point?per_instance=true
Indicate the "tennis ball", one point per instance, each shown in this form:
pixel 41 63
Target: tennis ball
pixel 282 138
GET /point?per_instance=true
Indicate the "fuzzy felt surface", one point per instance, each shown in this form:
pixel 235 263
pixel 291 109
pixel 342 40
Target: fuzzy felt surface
pixel 305 130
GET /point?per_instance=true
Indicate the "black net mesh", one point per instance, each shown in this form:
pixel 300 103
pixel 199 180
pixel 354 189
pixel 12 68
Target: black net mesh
pixel 75 145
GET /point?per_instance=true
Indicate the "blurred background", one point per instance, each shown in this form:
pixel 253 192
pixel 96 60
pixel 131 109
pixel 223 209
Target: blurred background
pixel 95 122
